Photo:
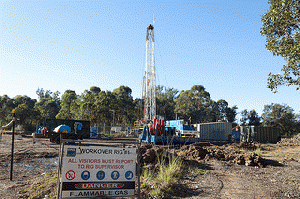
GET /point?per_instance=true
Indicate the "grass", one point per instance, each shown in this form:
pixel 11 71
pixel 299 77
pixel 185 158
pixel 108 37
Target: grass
pixel 280 154
pixel 41 187
pixel 258 152
pixel 196 171
pixel 160 181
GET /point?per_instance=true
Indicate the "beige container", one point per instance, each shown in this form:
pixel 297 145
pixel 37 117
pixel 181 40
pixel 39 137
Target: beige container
pixel 216 131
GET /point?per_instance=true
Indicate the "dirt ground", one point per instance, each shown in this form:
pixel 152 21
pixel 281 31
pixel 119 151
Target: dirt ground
pixel 278 178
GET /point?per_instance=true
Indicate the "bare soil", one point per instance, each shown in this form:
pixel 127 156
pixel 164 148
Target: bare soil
pixel 277 175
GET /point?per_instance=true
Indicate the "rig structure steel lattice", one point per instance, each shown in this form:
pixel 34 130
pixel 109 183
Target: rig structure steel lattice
pixel 149 80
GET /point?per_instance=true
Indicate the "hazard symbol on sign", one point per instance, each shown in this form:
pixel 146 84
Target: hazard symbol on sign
pixel 70 175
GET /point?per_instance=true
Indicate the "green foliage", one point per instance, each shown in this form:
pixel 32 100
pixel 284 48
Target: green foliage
pixel 224 113
pixel 95 89
pixel 161 181
pixel 280 116
pixel 258 152
pixel 6 107
pixel 193 103
pixel 165 104
pixel 123 107
pixel 197 104
pixel 281 25
pixel 69 106
pixel 118 107
pixel 250 118
pixel 48 104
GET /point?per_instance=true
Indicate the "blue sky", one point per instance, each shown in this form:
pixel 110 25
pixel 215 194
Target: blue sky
pixel 60 45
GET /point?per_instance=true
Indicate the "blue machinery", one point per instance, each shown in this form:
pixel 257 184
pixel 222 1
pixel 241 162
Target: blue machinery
pixel 169 137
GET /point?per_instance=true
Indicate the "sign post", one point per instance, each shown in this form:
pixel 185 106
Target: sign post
pixel 12 147
pixel 97 171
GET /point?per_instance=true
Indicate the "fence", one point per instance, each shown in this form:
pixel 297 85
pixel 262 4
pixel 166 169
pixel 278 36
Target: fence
pixel 113 131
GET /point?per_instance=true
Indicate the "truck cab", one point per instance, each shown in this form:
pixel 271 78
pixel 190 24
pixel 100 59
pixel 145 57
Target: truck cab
pixel 183 128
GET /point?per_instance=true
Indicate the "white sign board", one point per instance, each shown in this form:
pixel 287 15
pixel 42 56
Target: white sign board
pixel 94 171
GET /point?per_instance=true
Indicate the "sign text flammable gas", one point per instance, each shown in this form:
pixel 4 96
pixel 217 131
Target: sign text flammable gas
pixel 97 193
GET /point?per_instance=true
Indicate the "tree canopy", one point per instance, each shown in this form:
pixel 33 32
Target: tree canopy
pixel 280 116
pixel 281 26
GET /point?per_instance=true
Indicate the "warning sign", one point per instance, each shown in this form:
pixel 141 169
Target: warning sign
pixel 70 175
pixel 95 193
pixel 108 171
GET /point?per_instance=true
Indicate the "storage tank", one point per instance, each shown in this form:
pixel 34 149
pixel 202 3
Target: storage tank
pixel 218 131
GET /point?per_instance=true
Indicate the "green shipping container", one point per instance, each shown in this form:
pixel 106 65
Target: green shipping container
pixel 260 134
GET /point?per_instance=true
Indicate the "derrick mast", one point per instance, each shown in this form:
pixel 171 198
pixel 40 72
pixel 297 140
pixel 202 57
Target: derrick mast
pixel 149 81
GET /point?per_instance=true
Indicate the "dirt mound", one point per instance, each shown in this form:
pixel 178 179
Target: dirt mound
pixel 246 145
pixel 192 152
pixel 231 154
pixel 148 155
pixel 241 154
pixel 294 141
pixel 151 155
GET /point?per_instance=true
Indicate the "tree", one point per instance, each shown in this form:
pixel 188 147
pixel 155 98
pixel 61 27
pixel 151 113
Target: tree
pixel 231 113
pixel 124 109
pixel 69 106
pixel 194 103
pixel 220 112
pixel 280 116
pixel 244 118
pixel 165 103
pixel 105 102
pixel 87 106
pixel 48 104
pixel 250 118
pixel 95 89
pixel 253 117
pixel 6 107
pixel 24 107
pixel 281 24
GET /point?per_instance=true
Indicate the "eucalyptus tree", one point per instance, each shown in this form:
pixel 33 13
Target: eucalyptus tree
pixel 6 107
pixel 25 112
pixel 194 104
pixel 48 104
pixel 281 26
pixel 281 116
pixel 250 118
pixel 88 105
pixel 123 110
pixel 70 104
pixel 165 101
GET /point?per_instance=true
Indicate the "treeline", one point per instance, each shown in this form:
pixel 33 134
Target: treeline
pixel 119 108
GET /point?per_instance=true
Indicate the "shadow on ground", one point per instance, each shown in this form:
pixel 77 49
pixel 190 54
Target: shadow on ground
pixel 272 163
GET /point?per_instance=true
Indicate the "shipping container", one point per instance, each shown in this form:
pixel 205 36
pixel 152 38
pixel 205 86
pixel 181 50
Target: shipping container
pixel 217 131
pixel 260 134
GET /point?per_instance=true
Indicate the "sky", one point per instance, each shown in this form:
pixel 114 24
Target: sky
pixel 60 45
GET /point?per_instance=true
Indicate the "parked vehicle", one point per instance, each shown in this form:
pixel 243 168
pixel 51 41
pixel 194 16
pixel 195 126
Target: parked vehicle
pixel 183 128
